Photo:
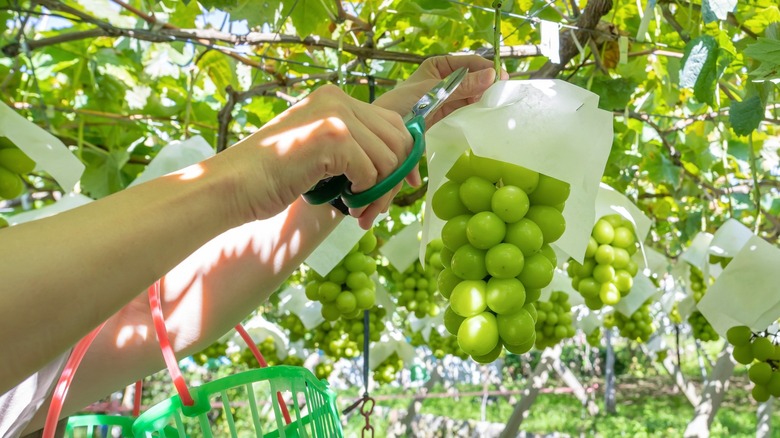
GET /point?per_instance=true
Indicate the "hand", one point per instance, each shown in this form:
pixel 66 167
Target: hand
pixel 481 76
pixel 326 134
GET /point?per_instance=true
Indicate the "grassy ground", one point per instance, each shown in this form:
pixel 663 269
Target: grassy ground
pixel 645 408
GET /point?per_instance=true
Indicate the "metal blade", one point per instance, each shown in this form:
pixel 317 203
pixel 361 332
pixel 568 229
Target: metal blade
pixel 433 99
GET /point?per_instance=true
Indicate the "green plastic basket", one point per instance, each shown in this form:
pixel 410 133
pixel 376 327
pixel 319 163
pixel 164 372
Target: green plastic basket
pixel 246 395
pixel 99 426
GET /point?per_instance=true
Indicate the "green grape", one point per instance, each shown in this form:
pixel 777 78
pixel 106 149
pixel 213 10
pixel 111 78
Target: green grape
pixel 762 348
pixel 468 263
pixel 550 191
pixel 446 203
pixel 516 328
pixel 453 234
pixel 478 334
pixel 525 235
pixel 505 295
pixel 743 354
pixel 739 335
pixel 510 203
pixel 504 260
pixel 16 161
pixel 476 193
pixel 760 393
pixel 603 232
pixel 11 184
pixel 486 168
pixel 469 298
pixel 760 373
pixel 537 272
pixel 525 179
pixel 485 230
pixel 549 220
pixel 452 321
pixel 491 356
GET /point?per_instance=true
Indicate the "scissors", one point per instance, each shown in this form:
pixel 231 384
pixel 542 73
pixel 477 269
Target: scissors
pixel 331 188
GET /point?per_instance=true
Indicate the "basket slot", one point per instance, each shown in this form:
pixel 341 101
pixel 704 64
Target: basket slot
pixel 253 408
pixel 295 389
pixel 228 413
pixel 277 410
pixel 179 424
pixel 205 427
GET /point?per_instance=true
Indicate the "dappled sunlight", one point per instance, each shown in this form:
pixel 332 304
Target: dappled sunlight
pixel 128 332
pixel 191 172
pixel 287 140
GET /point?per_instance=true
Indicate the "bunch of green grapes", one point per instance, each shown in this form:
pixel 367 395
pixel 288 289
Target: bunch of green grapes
pixel 13 164
pixel 762 356
pixel 213 351
pixel 348 289
pixel 607 272
pixel 334 339
pixel 702 329
pixel 594 338
pixel 417 291
pixel 294 327
pixel 270 354
pixel 387 371
pixel 500 219
pixel 440 345
pixel 674 315
pixel 323 370
pixel 553 321
pixel 698 286
pixel 344 338
pixel 638 327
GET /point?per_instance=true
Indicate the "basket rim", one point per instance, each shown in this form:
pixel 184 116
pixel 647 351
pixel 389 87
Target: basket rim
pixel 157 415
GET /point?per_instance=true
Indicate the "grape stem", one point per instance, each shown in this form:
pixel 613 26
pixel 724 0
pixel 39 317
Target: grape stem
pixel 756 190
pixel 497 39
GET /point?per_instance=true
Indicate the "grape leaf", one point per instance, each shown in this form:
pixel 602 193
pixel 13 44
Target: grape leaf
pixel 745 116
pixel 700 68
pixel 714 10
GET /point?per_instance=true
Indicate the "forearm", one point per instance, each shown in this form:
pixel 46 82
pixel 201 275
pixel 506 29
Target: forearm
pixel 95 259
pixel 203 298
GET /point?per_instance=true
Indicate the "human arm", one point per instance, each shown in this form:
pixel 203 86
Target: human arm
pixel 64 275
pixel 212 290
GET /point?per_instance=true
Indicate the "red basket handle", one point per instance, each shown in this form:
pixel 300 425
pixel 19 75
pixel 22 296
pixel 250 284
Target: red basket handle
pixel 170 358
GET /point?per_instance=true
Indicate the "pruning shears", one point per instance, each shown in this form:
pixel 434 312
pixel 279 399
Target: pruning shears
pixel 331 188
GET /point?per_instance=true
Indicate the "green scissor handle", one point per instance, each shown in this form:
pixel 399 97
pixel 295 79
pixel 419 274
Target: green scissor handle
pixel 329 189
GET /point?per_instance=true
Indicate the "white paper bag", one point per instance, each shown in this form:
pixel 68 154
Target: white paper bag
pixel 549 126
pixel 294 300
pixel 642 289
pixel 746 292
pixel 49 153
pixel 402 250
